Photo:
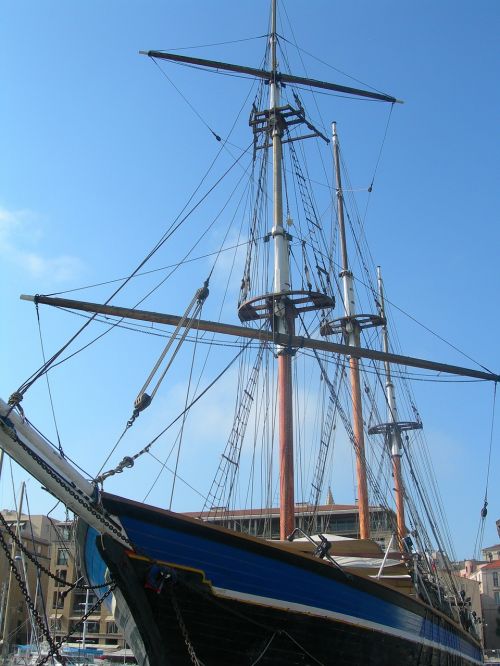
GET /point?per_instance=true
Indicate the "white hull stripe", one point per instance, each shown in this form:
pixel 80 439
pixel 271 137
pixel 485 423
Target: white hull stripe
pixel 340 617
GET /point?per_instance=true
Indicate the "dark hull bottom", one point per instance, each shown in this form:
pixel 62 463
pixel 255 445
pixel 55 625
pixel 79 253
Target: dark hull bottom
pixel 184 621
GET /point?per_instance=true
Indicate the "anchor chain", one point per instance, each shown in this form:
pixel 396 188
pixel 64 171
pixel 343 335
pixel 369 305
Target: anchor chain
pixel 56 645
pixel 184 631
pixel 29 601
pixel 42 568
pixel 91 508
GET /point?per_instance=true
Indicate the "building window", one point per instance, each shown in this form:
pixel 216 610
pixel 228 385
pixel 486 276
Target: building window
pixel 111 628
pixel 495 578
pixel 65 532
pixel 56 624
pixel 60 573
pixel 497 597
pixel 62 556
pixel 75 626
pixel 58 600
pixel 79 600
pixel 92 627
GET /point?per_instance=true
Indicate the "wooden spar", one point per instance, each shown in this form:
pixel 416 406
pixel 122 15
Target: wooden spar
pixel 283 316
pixel 394 432
pixel 359 439
pixel 295 341
pixel 352 333
pixel 268 76
pixel 399 493
pixel 286 459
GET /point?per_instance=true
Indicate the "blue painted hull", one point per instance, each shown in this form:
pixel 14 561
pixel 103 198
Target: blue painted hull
pixel 232 599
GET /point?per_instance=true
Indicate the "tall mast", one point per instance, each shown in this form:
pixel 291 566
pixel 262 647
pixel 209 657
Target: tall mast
pixel 283 319
pixel 394 433
pixel 283 304
pixel 394 427
pixel 352 332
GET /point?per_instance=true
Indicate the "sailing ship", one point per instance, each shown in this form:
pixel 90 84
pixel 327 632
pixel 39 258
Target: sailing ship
pixel 190 590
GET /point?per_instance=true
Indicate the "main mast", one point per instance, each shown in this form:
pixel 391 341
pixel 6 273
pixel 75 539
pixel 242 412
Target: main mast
pixel 283 318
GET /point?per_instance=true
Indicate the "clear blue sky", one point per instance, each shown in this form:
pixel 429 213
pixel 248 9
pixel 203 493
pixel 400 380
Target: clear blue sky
pixel 93 140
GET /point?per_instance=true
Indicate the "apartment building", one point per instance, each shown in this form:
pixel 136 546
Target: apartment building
pixel 340 519
pixel 487 574
pixel 67 608
pixel 35 533
pixel 52 543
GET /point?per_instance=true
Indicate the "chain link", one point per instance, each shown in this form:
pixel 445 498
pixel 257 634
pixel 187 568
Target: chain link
pixel 91 508
pixel 184 631
pixel 62 582
pixel 24 590
pixel 55 646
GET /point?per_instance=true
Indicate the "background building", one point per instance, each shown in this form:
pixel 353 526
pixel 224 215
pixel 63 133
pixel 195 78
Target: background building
pixel 487 574
pixel 52 543
pixel 340 519
pixel 67 608
pixel 35 533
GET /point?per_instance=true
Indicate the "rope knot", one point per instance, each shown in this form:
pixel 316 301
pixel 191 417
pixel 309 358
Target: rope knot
pixel 15 398
pixel 127 462
pixel 202 293
pixel 484 510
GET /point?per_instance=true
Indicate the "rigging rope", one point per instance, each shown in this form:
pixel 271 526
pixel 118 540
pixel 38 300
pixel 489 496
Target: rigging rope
pixel 183 422
pixel 48 383
pixel 484 511
pixel 129 461
pixel 16 397
pixel 143 399
pixel 186 323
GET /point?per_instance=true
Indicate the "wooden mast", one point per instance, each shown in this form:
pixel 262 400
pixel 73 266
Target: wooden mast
pixel 353 338
pixel 394 427
pixel 283 320
pixel 394 434
pixel 284 301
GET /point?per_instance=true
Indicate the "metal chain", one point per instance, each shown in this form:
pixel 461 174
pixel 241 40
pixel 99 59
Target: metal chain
pixel 91 508
pixel 62 582
pixel 184 631
pixel 55 646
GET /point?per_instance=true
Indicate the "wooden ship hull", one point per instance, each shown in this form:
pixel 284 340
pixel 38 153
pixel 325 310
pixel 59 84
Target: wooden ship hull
pixel 201 591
